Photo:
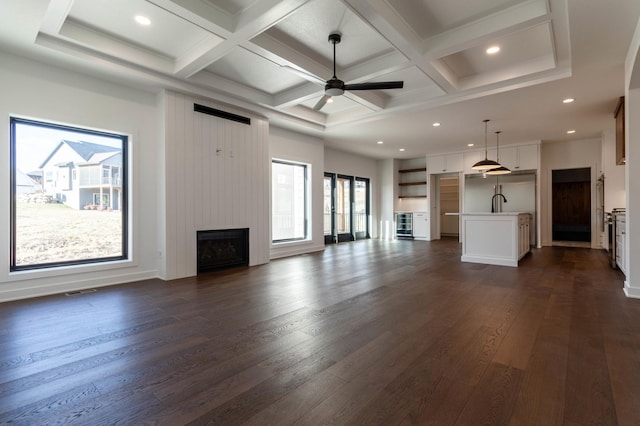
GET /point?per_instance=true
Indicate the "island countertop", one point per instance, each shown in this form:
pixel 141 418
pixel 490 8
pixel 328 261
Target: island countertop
pixel 493 214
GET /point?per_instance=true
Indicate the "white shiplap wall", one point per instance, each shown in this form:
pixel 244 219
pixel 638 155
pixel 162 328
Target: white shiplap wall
pixel 216 177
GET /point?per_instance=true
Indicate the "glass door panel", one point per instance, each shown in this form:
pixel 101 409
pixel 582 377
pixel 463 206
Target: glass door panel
pixel 329 208
pixel 344 196
pixel 361 211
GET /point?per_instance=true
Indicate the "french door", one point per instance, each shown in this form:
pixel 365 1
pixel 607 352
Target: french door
pixel 329 208
pixel 346 208
pixel 361 208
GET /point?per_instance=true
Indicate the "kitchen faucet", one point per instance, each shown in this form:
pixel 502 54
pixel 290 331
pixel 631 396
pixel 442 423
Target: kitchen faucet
pixel 493 199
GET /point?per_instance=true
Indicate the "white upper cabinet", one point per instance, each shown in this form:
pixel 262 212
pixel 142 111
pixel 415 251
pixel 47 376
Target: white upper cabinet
pixel 528 157
pixel 520 157
pixel 444 163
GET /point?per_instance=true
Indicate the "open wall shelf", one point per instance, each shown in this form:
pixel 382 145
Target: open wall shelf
pixel 413 182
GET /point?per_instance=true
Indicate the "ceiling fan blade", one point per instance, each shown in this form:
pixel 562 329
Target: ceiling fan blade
pixel 323 100
pixel 375 85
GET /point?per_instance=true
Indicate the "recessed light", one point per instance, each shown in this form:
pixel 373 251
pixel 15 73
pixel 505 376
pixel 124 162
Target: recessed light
pixel 142 20
pixel 436 124
pixel 470 144
pixel 380 142
pixel 330 100
pixel 570 132
pixel 568 100
pixel 493 50
pixel 401 149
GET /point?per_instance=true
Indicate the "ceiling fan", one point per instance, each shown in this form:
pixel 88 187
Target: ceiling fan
pixel 336 87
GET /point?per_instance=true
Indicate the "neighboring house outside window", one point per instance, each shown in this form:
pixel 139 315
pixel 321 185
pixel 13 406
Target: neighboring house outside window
pixel 78 214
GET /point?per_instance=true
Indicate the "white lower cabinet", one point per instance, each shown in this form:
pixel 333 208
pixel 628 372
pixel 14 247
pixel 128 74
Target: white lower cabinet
pixel 420 226
pixel 621 232
pixel 495 238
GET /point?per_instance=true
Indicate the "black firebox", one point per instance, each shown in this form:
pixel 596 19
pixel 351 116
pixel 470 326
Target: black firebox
pixel 222 248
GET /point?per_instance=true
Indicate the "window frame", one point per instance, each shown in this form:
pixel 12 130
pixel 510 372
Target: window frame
pixel 124 208
pixel 306 168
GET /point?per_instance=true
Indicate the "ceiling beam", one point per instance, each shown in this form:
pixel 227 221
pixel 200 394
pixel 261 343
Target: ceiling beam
pixel 386 21
pixel 247 25
pixel 518 17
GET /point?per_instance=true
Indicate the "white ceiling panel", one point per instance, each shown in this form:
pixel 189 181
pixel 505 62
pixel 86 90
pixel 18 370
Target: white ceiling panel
pixel 339 104
pixel 430 17
pixel 522 47
pixel 168 34
pixel 244 67
pixel 232 7
pixel 308 29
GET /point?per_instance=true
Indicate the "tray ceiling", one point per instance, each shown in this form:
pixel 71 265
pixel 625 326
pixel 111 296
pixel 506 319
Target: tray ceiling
pixel 275 54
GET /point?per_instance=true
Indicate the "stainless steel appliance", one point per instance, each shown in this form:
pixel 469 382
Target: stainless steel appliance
pixel 612 224
pixel 404 225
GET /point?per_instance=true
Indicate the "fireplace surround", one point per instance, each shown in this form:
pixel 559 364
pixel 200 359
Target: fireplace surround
pixel 222 248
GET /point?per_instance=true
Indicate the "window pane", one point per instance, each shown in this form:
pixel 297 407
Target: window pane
pixel 68 198
pixel 289 199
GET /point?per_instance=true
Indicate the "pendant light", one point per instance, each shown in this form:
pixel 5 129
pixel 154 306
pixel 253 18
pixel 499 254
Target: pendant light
pixel 485 164
pixel 502 170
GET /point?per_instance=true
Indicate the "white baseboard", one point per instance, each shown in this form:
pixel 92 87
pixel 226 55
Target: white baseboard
pixel 631 292
pixel 28 292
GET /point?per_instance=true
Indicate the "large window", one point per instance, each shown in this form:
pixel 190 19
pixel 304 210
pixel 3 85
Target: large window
pixel 68 195
pixel 289 201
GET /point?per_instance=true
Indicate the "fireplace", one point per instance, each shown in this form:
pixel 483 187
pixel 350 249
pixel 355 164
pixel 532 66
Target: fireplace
pixel 224 248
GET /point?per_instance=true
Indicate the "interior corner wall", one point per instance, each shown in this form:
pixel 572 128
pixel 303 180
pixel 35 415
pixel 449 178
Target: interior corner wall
pixel 216 175
pixel 295 147
pixel 632 168
pixel 348 164
pixel 614 186
pixel 161 189
pixel 387 172
pixel 43 92
pixel 568 155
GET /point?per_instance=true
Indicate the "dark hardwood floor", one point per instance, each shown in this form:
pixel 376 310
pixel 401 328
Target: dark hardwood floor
pixel 365 333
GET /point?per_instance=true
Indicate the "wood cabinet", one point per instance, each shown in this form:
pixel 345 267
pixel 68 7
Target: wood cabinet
pixel 444 163
pixel 620 141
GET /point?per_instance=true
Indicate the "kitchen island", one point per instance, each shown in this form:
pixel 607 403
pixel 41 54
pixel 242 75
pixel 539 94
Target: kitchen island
pixel 495 238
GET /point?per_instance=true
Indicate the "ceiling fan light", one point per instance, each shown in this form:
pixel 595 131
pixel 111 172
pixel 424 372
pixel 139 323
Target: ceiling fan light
pixel 334 91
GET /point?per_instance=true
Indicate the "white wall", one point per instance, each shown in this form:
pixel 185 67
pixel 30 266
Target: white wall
pixel 411 204
pixel 632 168
pixel 39 91
pixel 568 155
pixel 286 145
pixel 353 165
pixel 387 172
pixel 216 176
pixel 614 187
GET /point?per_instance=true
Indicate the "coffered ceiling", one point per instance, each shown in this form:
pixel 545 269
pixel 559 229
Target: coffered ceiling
pixel 274 57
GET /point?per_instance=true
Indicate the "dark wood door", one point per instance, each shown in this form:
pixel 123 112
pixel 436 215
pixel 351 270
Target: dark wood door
pixel 571 211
